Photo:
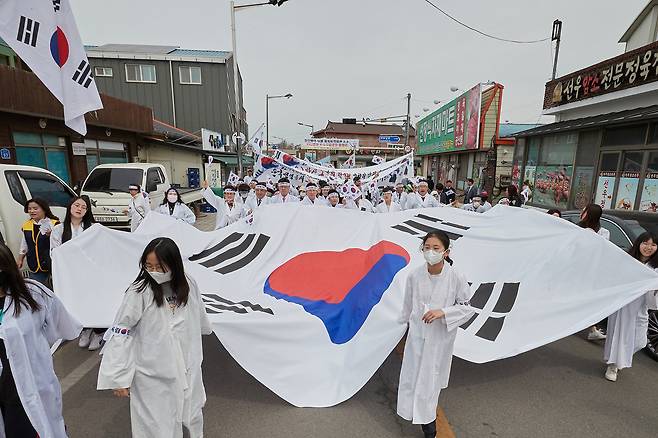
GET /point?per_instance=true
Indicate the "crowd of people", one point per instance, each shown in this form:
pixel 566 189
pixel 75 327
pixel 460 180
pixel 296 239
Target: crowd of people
pixel 162 377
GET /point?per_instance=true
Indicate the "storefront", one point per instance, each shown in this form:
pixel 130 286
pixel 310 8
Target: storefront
pixel 458 140
pixel 604 147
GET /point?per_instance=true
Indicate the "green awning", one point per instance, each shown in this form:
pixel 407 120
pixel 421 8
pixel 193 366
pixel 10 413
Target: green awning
pixel 233 161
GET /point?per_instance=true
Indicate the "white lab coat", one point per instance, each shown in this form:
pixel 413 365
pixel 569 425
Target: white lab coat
pixel 225 215
pixel 627 330
pixel 414 200
pixel 278 199
pixel 138 208
pixel 57 233
pixel 28 339
pixel 317 202
pixel 428 350
pixel 383 208
pixel 181 212
pixel 400 198
pixel 471 207
pixel 157 353
pixel 252 203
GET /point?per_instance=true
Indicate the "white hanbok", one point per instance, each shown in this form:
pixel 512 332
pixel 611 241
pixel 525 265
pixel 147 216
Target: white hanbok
pixel 138 208
pixel 253 203
pixel 383 208
pixel 28 339
pixel 428 350
pixel 627 330
pixel 157 353
pixel 278 199
pixel 316 202
pixel 414 200
pixel 471 207
pixel 58 232
pixel 226 215
pixel 181 212
pixel 401 199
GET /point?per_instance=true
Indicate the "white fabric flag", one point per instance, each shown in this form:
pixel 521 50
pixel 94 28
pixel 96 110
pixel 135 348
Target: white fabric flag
pixel 376 159
pixel 233 179
pixel 350 162
pixel 257 141
pixel 44 34
pixel 311 309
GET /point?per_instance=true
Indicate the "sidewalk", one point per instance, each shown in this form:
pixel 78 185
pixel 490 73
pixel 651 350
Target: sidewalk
pixel 205 221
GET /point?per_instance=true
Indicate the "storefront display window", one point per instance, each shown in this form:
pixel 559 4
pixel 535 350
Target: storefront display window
pixel 555 170
pixel 629 181
pixel 649 200
pixel 583 178
pixel 607 178
pixel 625 135
pixel 517 162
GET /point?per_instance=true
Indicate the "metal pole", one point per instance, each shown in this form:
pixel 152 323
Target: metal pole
pixel 236 85
pixel 408 122
pixel 267 124
pixel 557 36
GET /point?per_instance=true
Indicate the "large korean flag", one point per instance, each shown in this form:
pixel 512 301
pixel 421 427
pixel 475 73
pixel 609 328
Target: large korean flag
pixel 308 300
pixel 44 34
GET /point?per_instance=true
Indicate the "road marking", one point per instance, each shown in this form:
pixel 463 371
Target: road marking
pixel 443 429
pixel 77 374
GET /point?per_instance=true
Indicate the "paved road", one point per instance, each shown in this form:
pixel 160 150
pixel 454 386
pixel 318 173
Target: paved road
pixel 554 391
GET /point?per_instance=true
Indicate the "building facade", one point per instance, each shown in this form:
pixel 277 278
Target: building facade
pixel 187 89
pixel 603 147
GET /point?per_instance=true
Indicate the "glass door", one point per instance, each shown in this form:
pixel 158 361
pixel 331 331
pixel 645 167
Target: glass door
pixel 607 179
pixel 629 181
pixel 649 194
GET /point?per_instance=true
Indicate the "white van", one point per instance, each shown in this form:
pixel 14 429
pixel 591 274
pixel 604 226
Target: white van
pixel 17 185
pixel 107 188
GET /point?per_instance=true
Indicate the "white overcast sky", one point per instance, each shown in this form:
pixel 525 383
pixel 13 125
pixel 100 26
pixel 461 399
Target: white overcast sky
pixel 359 58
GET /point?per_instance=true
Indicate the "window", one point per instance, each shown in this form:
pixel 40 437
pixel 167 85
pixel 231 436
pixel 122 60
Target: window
pixel 190 75
pixel 43 150
pixel 104 152
pixel 617 235
pixel 583 178
pixel 103 72
pixel 629 181
pixel 152 179
pixel 626 135
pixel 42 185
pixel 140 73
pixel 112 179
pixel 649 201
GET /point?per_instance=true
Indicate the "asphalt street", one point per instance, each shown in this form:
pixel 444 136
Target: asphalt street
pixel 554 391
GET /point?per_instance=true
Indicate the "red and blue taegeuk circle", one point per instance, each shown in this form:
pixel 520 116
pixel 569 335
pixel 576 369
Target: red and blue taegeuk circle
pixel 59 47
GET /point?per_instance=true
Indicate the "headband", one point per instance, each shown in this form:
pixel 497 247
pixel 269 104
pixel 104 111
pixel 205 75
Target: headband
pixel 229 190
pixel 261 186
pixel 133 187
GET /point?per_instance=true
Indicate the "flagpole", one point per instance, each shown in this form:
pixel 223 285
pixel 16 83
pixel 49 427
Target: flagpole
pixel 236 89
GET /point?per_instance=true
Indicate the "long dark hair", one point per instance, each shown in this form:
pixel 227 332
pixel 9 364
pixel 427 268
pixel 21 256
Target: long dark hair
pixel 443 237
pixel 13 283
pixel 87 220
pixel 44 206
pixel 635 249
pixel 172 189
pixel 592 218
pixel 169 257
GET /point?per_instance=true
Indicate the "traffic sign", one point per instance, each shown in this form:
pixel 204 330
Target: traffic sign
pixel 407 148
pixel 239 135
pixel 5 154
pixel 389 138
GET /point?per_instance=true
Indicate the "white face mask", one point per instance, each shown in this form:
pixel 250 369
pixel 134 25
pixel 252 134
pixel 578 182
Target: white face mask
pixel 433 257
pixel 172 198
pixel 160 277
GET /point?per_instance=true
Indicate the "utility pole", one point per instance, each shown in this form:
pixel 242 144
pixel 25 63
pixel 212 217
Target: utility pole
pixel 556 36
pixel 408 121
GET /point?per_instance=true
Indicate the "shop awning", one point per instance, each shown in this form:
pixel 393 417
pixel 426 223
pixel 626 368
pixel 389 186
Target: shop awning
pixel 233 161
pixel 625 117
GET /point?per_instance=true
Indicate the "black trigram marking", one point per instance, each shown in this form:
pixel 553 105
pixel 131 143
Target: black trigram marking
pixel 216 304
pixel 28 31
pixel 494 319
pixel 83 74
pixel 423 224
pixel 233 253
pixel 57 4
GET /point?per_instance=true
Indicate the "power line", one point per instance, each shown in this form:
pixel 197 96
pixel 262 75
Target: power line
pixel 484 33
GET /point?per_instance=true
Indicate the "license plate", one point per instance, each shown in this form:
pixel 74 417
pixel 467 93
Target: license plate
pixel 107 219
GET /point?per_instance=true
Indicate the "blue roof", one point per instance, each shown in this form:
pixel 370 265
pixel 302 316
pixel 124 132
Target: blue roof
pixel 509 129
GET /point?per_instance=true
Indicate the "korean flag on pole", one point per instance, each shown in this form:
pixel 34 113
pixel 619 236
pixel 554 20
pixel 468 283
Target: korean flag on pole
pixel 257 140
pixel 44 34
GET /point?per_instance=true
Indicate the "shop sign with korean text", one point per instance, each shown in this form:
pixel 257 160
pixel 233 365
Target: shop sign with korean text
pixel 632 69
pixel 453 127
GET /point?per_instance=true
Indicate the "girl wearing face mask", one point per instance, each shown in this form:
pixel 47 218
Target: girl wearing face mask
pixel 627 327
pixel 173 206
pixel 153 352
pixel 436 303
pixel 35 245
pixel 32 319
pixel 78 219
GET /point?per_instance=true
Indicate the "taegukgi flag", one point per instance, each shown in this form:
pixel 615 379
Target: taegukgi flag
pixel 44 34
pixel 257 140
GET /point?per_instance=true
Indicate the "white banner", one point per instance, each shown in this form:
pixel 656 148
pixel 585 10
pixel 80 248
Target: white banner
pixel 311 309
pixel 343 144
pixel 44 34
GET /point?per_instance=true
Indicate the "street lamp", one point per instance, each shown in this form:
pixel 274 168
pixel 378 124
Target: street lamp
pixel 308 126
pixel 236 86
pixel 267 116
pixel 454 88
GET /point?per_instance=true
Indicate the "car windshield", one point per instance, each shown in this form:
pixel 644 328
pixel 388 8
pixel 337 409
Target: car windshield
pixel 111 179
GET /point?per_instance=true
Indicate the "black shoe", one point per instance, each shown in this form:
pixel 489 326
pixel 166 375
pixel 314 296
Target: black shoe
pixel 430 430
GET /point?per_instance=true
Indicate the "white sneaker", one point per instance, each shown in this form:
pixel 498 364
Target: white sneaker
pixel 611 373
pixel 596 335
pixel 85 338
pixel 95 343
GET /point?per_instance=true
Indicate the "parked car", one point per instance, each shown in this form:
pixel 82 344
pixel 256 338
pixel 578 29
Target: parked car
pixel 17 185
pixel 625 227
pixel 107 188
